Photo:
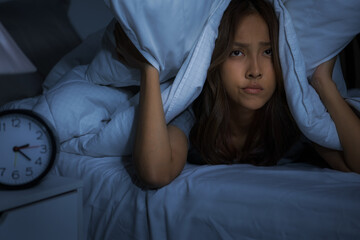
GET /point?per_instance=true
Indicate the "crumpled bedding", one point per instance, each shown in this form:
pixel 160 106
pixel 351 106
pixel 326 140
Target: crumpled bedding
pixel 94 119
pixel 91 116
pixel 98 120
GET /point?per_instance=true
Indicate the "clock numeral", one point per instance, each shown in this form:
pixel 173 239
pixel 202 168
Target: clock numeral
pixel 38 161
pixel 15 174
pixel 2 127
pixel 15 122
pixel 29 126
pixel 39 133
pixel 43 149
pixel 29 171
pixel 2 171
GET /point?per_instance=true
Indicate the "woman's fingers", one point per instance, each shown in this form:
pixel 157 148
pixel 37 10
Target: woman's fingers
pixel 126 50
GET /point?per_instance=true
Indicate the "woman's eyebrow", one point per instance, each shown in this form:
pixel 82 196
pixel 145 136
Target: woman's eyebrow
pixel 242 45
pixel 265 44
pixel 246 45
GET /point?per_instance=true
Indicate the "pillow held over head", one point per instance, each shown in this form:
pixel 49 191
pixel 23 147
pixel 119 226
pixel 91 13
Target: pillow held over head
pixel 177 37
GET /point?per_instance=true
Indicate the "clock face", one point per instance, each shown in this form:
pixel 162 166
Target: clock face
pixel 27 148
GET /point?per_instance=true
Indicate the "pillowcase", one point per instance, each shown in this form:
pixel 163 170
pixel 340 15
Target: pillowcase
pixel 321 30
pixel 163 31
pixel 177 37
pixel 323 27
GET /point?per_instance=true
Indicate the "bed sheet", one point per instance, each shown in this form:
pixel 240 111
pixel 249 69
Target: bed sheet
pixel 289 201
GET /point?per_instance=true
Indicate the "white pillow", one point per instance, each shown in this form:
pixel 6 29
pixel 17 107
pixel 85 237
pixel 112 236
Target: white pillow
pixel 178 37
pixel 181 46
pixel 163 31
pixel 322 29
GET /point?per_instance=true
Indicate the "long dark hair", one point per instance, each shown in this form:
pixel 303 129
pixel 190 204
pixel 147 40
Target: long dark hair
pixel 273 129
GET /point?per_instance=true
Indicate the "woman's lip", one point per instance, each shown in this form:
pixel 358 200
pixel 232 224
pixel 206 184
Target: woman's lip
pixel 252 90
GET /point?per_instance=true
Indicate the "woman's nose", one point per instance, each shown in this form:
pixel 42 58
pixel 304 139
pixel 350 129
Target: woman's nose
pixel 254 70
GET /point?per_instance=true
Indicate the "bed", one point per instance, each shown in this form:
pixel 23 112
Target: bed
pixel 300 198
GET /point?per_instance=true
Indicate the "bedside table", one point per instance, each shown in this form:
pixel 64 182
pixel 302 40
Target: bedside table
pixel 49 210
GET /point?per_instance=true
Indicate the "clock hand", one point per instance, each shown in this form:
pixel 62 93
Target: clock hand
pixel 33 146
pixel 23 146
pixel 24 155
pixel 17 149
pixel 26 146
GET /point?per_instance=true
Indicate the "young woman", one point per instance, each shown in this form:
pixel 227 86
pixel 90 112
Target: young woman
pixel 241 115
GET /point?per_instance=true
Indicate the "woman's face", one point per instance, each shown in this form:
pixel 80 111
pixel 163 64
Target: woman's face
pixel 248 74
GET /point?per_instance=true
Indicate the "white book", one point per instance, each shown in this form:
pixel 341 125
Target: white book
pixel 12 59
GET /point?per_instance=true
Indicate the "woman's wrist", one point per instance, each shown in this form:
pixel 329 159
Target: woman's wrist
pixel 332 99
pixel 149 73
pixel 326 88
pixel 149 69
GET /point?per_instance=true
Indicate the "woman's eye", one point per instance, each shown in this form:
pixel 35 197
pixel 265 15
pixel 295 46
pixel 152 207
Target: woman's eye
pixel 236 53
pixel 268 52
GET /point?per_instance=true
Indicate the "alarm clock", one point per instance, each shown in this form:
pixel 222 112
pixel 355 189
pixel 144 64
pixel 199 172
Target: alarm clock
pixel 28 148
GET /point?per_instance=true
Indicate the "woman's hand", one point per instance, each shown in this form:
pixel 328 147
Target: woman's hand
pixel 127 52
pixel 322 78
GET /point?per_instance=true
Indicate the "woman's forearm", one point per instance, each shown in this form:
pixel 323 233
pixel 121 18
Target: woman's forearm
pixel 346 122
pixel 152 150
pixel 160 151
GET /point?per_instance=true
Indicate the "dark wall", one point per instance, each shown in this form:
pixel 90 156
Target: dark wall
pixel 350 63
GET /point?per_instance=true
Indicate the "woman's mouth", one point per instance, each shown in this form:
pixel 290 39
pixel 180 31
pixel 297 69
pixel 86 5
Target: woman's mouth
pixel 253 90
